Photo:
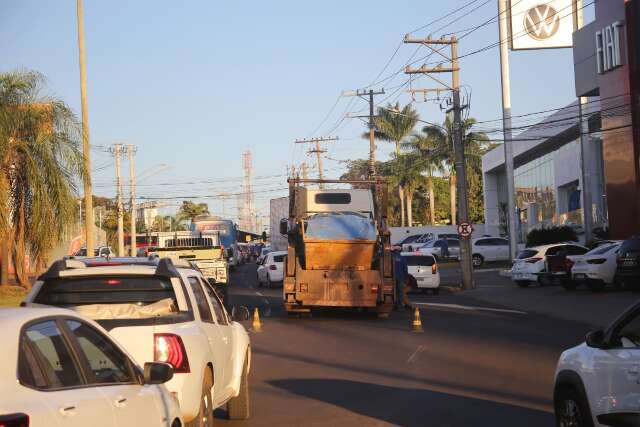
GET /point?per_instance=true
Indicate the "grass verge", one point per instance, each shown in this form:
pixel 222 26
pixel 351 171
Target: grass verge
pixel 11 296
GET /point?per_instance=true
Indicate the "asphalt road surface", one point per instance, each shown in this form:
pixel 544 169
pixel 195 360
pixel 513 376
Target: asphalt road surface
pixel 475 364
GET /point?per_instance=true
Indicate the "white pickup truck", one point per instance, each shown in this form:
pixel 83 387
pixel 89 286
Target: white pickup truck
pixel 160 311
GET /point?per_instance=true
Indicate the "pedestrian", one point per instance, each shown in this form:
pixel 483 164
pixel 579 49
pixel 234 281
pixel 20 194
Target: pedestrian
pixel 444 250
pixel 400 274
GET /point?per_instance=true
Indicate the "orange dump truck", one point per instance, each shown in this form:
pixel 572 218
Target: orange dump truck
pixel 338 247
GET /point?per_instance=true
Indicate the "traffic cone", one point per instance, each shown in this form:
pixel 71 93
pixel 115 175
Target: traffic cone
pixel 257 324
pixel 417 323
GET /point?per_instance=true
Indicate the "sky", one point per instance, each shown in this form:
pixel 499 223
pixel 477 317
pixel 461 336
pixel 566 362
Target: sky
pixel 194 84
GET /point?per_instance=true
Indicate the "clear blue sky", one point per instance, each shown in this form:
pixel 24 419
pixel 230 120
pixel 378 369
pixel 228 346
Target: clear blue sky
pixel 193 84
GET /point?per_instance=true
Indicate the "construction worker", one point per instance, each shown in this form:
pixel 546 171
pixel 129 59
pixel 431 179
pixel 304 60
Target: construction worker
pixel 401 274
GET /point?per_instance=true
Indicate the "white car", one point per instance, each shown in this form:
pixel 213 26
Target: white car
pixel 271 270
pixel 434 247
pixel 532 261
pixel 263 253
pixel 596 268
pixel 489 249
pixel 62 369
pixel 164 312
pixel 413 242
pixel 424 268
pixel 596 383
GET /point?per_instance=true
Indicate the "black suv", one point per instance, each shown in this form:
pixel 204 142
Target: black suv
pixel 628 264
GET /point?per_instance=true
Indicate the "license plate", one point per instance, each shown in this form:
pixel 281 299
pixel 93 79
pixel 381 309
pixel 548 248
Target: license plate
pixel 629 262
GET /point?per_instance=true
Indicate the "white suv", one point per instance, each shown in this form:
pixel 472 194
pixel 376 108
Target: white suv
pixel 424 268
pixel 161 312
pixel 487 249
pixel 596 383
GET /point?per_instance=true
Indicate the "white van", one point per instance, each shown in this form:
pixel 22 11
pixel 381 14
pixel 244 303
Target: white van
pixel 424 268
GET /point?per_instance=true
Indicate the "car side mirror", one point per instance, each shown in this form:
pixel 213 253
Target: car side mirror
pixel 284 225
pixel 240 314
pixel 157 372
pixel 595 339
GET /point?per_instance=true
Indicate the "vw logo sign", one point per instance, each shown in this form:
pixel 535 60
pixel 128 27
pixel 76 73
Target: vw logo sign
pixel 541 22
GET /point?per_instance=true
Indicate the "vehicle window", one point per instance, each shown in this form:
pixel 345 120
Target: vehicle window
pixel 630 246
pixel 601 250
pixel 499 242
pixel 278 258
pixel 410 239
pixel 527 253
pixel 483 242
pixel 555 250
pixel 108 364
pixel 53 355
pixel 138 290
pixel 29 372
pixel 438 244
pixel 201 300
pixel 218 308
pixel 630 332
pixel 576 250
pixel 415 261
pixel 453 243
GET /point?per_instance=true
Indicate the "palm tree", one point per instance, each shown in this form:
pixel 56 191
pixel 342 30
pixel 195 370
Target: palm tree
pixel 40 166
pixel 190 210
pixel 393 124
pixel 409 169
pixel 475 144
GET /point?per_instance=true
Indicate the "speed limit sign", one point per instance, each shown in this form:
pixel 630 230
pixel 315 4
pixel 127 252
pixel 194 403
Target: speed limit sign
pixel 465 229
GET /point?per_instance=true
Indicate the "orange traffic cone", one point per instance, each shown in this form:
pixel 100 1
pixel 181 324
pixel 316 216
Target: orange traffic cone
pixel 417 323
pixel 257 324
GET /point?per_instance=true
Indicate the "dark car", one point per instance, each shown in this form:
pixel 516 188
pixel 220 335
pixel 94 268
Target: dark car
pixel 628 264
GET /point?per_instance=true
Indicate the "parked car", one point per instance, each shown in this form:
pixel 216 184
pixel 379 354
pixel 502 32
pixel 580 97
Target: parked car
pixel 101 251
pixel 628 264
pixel 410 243
pixel 63 369
pixel 531 264
pixel 424 269
pixel 434 247
pixel 596 383
pixel 486 249
pixel 263 253
pixel 271 270
pixel 597 268
pixel 167 311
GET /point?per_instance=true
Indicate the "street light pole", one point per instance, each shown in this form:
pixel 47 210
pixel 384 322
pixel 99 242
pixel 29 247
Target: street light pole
pixel 86 147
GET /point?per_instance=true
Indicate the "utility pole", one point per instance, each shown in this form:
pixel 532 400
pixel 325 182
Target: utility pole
pixel 372 126
pixel 86 147
pixel 318 152
pixel 117 151
pixel 458 140
pixel 305 171
pixel 506 126
pixel 131 149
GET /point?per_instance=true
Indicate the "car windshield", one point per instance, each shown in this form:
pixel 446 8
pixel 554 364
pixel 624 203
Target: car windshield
pixel 340 226
pixel 527 253
pixel 409 239
pixel 414 261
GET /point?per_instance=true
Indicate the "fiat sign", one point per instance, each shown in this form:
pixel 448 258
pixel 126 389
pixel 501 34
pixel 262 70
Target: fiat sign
pixel 541 24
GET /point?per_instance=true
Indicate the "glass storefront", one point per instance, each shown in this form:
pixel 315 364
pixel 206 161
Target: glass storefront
pixel 535 192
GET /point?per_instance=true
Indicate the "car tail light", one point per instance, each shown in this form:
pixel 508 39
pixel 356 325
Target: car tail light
pixel 532 260
pixel 597 261
pixel 434 268
pixel 113 281
pixel 14 420
pixel 168 348
pixel 273 267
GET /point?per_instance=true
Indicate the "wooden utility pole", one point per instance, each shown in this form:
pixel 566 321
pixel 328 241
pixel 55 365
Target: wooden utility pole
pixel 305 171
pixel 458 140
pixel 318 152
pixel 372 126
pixel 117 151
pixel 86 147
pixel 132 197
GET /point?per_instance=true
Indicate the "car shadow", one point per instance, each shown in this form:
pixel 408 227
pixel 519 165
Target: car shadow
pixel 409 407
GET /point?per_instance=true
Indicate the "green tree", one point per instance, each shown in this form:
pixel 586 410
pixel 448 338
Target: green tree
pixel 190 210
pixel 408 175
pixel 393 124
pixel 40 166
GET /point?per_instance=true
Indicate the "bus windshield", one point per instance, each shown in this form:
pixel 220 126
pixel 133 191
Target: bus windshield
pixel 224 227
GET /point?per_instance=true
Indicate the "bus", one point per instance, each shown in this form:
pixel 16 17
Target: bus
pixel 227 231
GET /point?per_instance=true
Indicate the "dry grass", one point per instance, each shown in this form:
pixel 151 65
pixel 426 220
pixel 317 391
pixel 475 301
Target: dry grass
pixel 11 296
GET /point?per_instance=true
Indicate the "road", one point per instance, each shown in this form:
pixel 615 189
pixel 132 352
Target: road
pixel 484 366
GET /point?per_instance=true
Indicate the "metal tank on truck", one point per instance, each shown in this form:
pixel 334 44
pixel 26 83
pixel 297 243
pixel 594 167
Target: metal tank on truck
pixel 338 247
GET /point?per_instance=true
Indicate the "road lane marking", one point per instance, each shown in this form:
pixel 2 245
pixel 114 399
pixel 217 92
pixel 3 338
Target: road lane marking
pixel 416 353
pixel 468 307
pixel 259 294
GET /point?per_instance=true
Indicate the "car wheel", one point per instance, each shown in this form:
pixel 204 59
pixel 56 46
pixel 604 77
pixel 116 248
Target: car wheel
pixel 477 260
pixel 238 407
pixel 571 410
pixel 522 283
pixel 205 414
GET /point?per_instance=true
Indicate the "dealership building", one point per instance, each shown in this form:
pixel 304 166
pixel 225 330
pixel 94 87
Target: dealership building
pixel 561 156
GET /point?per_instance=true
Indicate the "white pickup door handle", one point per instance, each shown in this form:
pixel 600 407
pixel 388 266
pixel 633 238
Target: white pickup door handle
pixel 120 401
pixel 67 410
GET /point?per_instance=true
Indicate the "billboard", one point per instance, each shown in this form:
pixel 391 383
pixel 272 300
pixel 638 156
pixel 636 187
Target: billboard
pixel 541 24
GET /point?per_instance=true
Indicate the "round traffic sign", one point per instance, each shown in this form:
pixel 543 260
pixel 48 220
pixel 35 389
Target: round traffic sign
pixel 465 229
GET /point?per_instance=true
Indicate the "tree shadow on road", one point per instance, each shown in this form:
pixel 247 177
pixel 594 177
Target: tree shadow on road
pixel 410 407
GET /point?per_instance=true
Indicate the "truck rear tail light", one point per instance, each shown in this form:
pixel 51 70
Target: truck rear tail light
pixel 14 420
pixel 532 260
pixel 434 268
pixel 596 261
pixel 168 348
pixel 273 267
pixel 374 289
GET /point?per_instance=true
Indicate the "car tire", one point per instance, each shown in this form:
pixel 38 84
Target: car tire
pixel 522 283
pixel 238 407
pixel 571 409
pixel 205 414
pixel 477 260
